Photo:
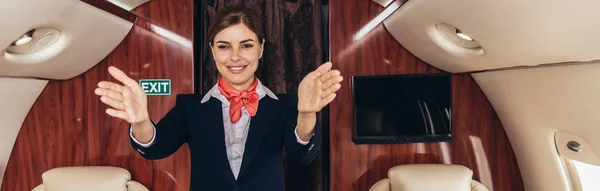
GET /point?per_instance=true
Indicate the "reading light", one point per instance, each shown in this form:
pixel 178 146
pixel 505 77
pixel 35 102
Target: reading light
pixel 24 39
pixel 34 41
pixel 457 37
pixel 463 35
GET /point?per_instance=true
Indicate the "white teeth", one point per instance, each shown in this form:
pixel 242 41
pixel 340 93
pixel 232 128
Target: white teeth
pixel 237 68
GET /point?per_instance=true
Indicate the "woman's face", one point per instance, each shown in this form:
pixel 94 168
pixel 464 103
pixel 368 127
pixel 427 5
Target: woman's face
pixel 236 50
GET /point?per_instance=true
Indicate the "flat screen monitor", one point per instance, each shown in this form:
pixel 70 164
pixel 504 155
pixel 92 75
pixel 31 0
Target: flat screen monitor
pixel 402 108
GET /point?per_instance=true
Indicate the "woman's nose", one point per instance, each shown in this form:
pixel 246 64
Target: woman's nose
pixel 235 56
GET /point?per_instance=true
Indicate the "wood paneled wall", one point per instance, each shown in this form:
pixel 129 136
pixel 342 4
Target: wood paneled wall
pixel 176 16
pixel 479 141
pixel 67 125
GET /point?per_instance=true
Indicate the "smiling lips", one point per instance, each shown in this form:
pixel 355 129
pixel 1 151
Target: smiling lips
pixel 236 69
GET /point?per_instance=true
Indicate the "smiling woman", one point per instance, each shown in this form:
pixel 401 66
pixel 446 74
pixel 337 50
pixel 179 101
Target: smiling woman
pixel 255 124
pixel 295 44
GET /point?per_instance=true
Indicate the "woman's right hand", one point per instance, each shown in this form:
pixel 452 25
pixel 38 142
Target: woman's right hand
pixel 128 101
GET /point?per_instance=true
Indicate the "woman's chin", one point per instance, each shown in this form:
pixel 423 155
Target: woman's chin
pixel 238 78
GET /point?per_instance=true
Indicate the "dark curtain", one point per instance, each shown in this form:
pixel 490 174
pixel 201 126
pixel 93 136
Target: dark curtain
pixel 293 49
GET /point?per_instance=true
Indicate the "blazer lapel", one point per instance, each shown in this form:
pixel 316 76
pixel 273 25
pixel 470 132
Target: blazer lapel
pixel 213 124
pixel 259 126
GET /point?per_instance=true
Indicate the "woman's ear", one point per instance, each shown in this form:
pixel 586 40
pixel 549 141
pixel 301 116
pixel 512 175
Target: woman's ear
pixel 262 48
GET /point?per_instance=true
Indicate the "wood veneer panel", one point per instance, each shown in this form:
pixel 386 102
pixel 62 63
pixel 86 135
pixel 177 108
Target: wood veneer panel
pixel 479 141
pixel 172 15
pixel 112 9
pixel 67 125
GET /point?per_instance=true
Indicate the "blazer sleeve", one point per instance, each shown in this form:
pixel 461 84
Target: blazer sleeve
pixel 295 151
pixel 171 133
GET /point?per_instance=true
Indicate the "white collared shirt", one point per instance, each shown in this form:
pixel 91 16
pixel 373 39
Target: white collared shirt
pixel 236 134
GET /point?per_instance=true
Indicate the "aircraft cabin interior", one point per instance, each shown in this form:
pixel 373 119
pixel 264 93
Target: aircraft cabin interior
pixel 447 95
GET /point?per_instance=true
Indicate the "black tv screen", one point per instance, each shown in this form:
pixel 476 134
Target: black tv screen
pixel 402 108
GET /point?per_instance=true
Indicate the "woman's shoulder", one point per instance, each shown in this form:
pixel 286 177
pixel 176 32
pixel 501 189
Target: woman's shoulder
pixel 288 99
pixel 188 97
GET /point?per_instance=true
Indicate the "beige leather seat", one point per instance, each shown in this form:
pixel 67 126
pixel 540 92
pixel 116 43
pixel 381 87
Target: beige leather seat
pixel 88 178
pixel 429 177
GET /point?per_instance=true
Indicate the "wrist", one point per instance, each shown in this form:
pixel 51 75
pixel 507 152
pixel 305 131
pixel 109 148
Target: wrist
pixel 143 126
pixel 307 115
pixel 306 125
pixel 143 131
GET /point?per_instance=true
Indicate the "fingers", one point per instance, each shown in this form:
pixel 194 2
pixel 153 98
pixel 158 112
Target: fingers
pixel 330 74
pixel 109 93
pixel 112 103
pixel 324 68
pixel 119 114
pixel 135 88
pixel 109 96
pixel 323 73
pixel 311 76
pixel 122 77
pixel 327 100
pixel 335 79
pixel 112 86
pixel 120 97
pixel 331 90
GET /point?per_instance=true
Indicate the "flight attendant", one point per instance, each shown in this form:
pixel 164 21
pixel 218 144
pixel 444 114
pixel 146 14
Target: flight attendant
pixel 238 131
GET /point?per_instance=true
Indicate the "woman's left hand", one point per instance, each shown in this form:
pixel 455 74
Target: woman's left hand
pixel 318 88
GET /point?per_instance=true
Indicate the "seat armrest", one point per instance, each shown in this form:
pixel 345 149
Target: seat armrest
pixel 382 185
pixel 39 188
pixel 476 186
pixel 135 186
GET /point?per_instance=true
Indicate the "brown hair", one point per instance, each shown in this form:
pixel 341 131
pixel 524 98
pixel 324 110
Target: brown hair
pixel 234 15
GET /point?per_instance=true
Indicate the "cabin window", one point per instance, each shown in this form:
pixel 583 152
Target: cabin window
pixel 582 165
pixel 587 175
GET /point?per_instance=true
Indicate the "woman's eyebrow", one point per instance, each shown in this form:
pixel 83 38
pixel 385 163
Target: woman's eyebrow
pixel 243 41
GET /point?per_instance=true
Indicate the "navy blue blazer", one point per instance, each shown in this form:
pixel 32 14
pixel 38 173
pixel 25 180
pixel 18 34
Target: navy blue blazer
pixel 201 126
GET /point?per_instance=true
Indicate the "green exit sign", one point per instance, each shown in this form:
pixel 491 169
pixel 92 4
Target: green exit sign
pixel 156 86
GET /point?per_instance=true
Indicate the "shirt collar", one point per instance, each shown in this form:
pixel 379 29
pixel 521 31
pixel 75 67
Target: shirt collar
pixel 260 90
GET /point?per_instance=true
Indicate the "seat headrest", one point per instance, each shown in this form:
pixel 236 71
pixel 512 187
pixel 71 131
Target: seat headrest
pixel 419 177
pixel 89 178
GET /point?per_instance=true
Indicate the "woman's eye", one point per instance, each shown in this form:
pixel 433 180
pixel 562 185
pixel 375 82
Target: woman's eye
pixel 247 46
pixel 223 47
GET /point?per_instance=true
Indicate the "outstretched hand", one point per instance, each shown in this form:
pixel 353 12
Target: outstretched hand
pixel 318 88
pixel 128 101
